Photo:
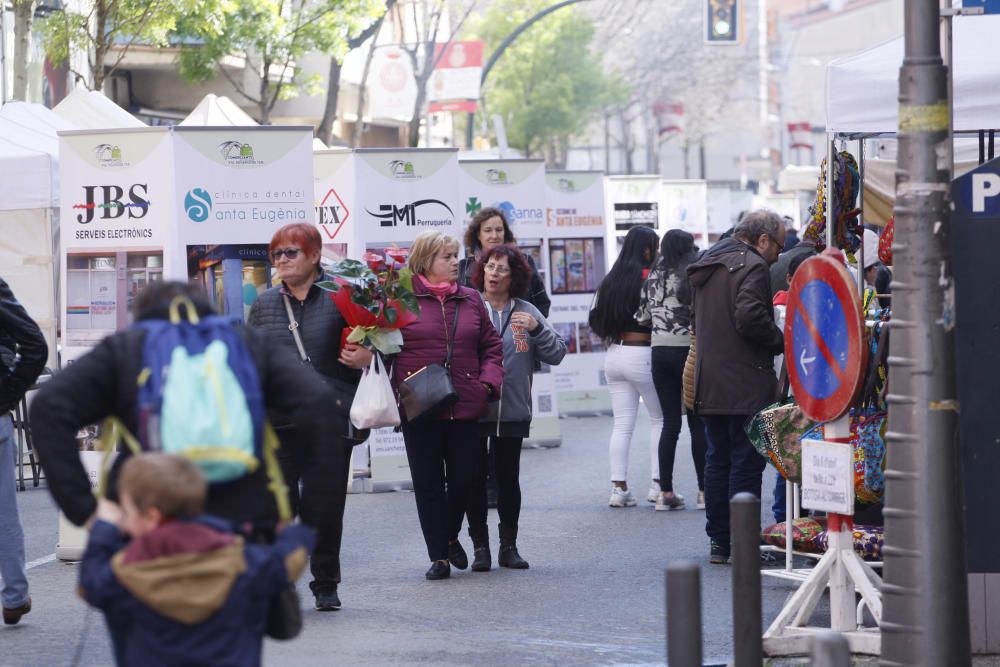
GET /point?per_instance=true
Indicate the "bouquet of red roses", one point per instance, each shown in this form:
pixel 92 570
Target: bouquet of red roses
pixel 375 297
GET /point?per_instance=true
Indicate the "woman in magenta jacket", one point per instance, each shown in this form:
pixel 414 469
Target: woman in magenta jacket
pixel 441 450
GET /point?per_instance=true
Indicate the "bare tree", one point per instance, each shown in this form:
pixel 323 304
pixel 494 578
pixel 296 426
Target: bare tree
pixel 325 129
pixel 427 18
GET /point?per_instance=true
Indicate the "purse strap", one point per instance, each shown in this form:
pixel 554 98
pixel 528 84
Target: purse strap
pixel 454 332
pixel 293 326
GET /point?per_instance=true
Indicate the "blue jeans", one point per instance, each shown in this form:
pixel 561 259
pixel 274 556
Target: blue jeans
pixel 732 466
pixel 778 508
pixel 15 579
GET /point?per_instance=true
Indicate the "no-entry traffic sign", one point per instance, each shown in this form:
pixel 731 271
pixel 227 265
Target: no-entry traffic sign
pixel 824 353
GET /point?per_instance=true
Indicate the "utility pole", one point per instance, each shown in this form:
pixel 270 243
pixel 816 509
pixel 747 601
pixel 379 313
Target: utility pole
pixel 925 584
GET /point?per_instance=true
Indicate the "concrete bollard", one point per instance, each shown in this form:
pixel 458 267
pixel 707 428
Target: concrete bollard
pixel 744 530
pixel 683 614
pixel 829 649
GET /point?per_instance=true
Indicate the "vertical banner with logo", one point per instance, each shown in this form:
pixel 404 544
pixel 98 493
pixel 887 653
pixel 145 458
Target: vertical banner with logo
pixel 631 201
pixel 235 187
pixel 576 262
pixel 517 187
pixel 684 205
pixel 401 193
pixel 333 171
pixel 454 85
pixel 115 233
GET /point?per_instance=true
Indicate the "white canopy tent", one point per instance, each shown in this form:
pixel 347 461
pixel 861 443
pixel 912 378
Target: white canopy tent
pixel 218 111
pixel 29 204
pixel 862 90
pixel 91 110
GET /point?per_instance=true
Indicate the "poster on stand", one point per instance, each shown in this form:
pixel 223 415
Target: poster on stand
pixel 576 259
pixel 684 205
pixel 333 174
pixel 631 201
pixel 235 187
pixel 399 194
pixel 517 188
pixel 116 228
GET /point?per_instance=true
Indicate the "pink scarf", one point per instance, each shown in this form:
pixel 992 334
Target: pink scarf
pixel 440 290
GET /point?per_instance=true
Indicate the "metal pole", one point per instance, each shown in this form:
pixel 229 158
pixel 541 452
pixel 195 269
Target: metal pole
pixel 3 52
pixel 925 585
pixel 683 614
pixel 748 622
pixel 829 649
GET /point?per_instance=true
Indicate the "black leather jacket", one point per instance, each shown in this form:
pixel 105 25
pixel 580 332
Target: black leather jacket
pixel 22 350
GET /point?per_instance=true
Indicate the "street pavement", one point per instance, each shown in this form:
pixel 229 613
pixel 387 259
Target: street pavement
pixel 594 594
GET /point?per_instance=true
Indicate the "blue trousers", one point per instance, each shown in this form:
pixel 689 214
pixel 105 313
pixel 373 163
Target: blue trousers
pixel 15 579
pixel 732 466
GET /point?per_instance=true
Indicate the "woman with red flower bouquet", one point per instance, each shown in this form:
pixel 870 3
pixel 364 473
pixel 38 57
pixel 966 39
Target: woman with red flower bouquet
pixel 299 315
pixel 441 447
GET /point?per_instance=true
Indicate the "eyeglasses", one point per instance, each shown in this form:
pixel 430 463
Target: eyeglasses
pixel 290 253
pixel 781 247
pixel 498 269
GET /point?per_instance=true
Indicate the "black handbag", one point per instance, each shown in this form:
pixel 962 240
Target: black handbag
pixel 429 390
pixel 284 614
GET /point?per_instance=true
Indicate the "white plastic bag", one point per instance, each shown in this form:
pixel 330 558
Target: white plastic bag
pixel 374 403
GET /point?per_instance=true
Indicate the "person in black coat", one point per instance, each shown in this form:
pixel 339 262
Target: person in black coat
pixel 322 465
pixel 22 357
pixel 102 383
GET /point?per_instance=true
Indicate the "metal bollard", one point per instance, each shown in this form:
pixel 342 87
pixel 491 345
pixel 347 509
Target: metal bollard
pixel 829 649
pixel 744 531
pixel 683 614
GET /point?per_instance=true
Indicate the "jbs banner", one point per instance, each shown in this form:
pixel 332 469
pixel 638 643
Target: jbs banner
pixel 575 260
pixel 115 229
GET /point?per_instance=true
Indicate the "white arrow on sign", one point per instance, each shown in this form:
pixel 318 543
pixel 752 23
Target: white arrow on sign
pixel 803 360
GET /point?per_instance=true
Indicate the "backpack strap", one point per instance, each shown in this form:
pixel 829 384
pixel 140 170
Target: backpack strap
pixel 112 430
pixel 175 310
pixel 276 480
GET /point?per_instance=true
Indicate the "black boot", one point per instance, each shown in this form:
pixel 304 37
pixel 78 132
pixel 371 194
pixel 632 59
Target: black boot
pixel 482 559
pixel 508 549
pixel 457 555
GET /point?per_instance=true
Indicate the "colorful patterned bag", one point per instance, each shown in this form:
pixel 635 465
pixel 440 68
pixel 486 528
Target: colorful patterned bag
pixel 775 432
pixel 885 242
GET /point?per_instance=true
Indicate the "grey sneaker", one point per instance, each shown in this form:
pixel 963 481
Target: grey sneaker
pixel 674 501
pixel 621 498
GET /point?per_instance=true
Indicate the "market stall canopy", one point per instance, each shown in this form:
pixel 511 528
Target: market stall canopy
pixel 29 156
pixel 862 90
pixel 91 110
pixel 218 111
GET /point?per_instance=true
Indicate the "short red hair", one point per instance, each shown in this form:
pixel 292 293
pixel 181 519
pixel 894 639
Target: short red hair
pixel 299 234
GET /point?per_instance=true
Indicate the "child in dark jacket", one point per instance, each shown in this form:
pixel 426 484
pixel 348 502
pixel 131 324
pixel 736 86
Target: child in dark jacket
pixel 185 590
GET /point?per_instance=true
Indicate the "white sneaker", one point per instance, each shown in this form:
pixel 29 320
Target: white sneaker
pixel 701 500
pixel 654 492
pixel 621 498
pixel 674 502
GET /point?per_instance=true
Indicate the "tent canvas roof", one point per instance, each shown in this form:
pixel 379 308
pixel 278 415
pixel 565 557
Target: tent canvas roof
pixel 90 110
pixel 862 89
pixel 29 156
pixel 215 110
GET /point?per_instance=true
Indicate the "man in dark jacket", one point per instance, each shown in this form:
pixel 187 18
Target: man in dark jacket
pixel 102 383
pixel 734 372
pixel 23 352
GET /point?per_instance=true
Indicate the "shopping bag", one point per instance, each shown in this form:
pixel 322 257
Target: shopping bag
pixel 775 433
pixel 374 403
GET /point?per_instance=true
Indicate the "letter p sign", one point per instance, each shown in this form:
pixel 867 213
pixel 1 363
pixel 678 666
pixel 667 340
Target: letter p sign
pixel 983 186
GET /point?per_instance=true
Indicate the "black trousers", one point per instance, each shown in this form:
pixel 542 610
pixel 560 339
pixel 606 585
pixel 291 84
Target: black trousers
pixel 668 378
pixel 444 460
pixel 322 469
pixel 507 454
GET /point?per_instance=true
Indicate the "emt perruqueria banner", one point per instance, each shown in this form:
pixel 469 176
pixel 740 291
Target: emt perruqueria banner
pixel 575 258
pixel 517 187
pixel 197 204
pixel 398 194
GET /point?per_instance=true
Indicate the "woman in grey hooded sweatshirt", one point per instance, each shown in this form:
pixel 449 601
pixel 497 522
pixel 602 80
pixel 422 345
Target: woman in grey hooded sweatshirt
pixel 502 274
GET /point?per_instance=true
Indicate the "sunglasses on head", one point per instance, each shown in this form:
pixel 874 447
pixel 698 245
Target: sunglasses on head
pixel 290 253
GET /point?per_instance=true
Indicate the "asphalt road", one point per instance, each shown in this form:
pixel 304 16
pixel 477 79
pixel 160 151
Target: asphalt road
pixel 594 594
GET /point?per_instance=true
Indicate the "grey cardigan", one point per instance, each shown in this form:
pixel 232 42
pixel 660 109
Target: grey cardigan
pixel 511 415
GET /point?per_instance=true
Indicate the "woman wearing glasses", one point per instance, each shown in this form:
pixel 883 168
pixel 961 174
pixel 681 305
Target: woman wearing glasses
pixel 297 305
pixel 503 276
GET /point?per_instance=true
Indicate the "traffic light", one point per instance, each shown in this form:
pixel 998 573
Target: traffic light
pixel 722 21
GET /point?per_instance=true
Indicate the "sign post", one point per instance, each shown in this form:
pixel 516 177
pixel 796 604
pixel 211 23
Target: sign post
pixel 826 357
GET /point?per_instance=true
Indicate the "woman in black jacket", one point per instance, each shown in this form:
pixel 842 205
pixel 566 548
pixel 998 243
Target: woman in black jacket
pixel 488 229
pixel 299 306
